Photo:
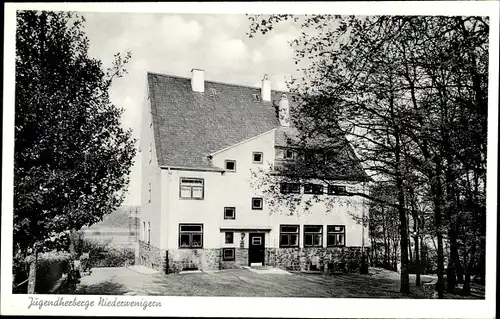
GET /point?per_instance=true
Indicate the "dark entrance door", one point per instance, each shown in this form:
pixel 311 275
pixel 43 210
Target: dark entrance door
pixel 256 248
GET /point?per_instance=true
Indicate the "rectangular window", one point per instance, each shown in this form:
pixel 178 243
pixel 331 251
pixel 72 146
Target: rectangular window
pixel 257 203
pixel 191 188
pixel 289 235
pixel 337 190
pixel 190 235
pixel 335 235
pixel 257 157
pixel 229 237
pixel 289 154
pixel 149 195
pixel 313 189
pixel 230 165
pixel 313 236
pixel 287 188
pixel 150 154
pixel 149 232
pixel 280 153
pixel 227 254
pixel 256 241
pixel 229 213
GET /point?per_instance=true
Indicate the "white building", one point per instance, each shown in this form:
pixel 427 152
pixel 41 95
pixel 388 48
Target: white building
pixel 200 141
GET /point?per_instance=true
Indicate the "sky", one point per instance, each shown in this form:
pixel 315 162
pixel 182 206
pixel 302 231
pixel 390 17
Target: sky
pixel 176 43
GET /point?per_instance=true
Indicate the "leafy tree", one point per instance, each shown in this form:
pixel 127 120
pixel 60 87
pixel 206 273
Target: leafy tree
pixel 401 90
pixel 72 156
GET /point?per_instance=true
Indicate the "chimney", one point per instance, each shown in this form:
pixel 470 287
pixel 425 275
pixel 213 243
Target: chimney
pixel 198 80
pixel 284 111
pixel 265 90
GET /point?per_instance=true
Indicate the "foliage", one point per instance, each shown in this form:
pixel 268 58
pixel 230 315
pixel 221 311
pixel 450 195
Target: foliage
pixel 72 157
pixel 410 94
pixel 50 267
pixel 103 255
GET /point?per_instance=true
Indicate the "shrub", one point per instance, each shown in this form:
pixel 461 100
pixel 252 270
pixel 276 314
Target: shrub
pixel 103 255
pixel 50 267
pixel 112 257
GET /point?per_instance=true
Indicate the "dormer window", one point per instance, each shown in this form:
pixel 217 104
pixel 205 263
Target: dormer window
pixel 337 190
pixel 230 165
pixel 256 97
pixel 289 154
pixel 316 189
pixel 286 153
pixel 212 91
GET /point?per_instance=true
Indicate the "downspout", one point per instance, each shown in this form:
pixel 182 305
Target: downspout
pixel 167 208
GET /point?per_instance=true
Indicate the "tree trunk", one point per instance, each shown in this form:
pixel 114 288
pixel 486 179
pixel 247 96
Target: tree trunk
pixel 439 239
pixel 32 272
pixel 466 289
pixel 417 247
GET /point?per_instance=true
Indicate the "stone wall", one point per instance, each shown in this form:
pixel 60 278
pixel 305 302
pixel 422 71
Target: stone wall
pixel 313 258
pixel 240 259
pixel 191 259
pixel 151 256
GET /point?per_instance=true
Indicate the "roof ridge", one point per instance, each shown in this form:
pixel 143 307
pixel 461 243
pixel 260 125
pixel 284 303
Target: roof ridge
pixel 216 82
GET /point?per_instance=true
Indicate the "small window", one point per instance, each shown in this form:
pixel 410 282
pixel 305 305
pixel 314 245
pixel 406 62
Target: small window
pixel 257 203
pixel 256 241
pixel 313 236
pixel 229 237
pixel 258 157
pixel 191 188
pixel 289 235
pixel 335 235
pixel 289 154
pixel 150 153
pixel 190 236
pixel 212 91
pixel 337 190
pixel 280 153
pixel 313 189
pixel 149 232
pixel 149 194
pixel 287 188
pixel 229 213
pixel 230 165
pixel 228 254
pixel 256 97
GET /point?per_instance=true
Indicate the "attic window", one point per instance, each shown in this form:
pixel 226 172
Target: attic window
pixel 230 165
pixel 255 97
pixel 212 91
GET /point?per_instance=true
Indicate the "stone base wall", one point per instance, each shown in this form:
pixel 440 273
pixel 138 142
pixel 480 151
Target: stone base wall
pixel 151 256
pixel 298 259
pixel 240 259
pixel 306 259
pixel 191 259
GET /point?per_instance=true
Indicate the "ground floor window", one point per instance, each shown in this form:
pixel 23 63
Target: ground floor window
pixel 313 236
pixel 190 235
pixel 229 237
pixel 289 235
pixel 228 254
pixel 335 235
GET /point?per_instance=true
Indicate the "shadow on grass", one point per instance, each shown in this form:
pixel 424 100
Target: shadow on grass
pixel 102 288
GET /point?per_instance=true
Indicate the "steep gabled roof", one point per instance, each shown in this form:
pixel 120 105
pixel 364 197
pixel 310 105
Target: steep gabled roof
pixel 190 125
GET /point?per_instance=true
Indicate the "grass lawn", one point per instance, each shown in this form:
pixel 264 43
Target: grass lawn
pixel 245 283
